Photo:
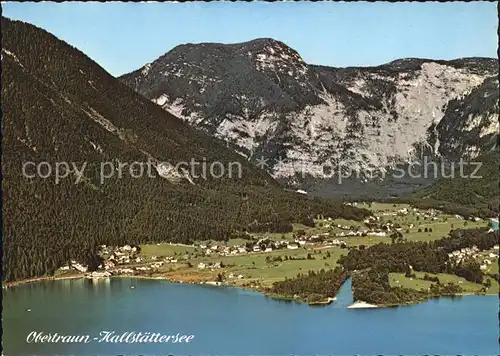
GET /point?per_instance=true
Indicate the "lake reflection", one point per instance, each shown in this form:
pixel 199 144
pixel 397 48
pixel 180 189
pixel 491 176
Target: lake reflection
pixel 232 321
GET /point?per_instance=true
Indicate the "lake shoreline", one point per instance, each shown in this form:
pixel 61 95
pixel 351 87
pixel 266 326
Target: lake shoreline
pixel 362 305
pixel 328 301
pixel 142 305
pixel 166 278
pixel 40 279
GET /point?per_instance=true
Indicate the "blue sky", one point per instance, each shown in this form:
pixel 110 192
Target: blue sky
pixel 122 37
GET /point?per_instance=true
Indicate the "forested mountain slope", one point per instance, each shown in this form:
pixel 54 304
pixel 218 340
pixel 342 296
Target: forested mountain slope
pixel 474 192
pixel 60 106
pixel 261 97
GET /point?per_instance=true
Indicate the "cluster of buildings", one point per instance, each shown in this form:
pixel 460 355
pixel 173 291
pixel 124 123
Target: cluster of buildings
pixel 111 267
pixel 463 254
pixel 430 214
pixel 485 259
pixel 266 244
pixel 119 255
pixel 233 276
pixel 221 250
pixel 262 245
pixel 116 261
pixel 121 260
pixel 74 265
pixel 491 258
pixel 212 266
pixel 380 228
pixel 375 227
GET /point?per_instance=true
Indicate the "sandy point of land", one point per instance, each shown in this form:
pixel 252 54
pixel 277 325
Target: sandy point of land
pixel 361 304
pixel 38 279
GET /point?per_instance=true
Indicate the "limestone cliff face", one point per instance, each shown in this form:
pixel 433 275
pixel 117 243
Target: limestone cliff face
pixel 470 124
pixel 306 121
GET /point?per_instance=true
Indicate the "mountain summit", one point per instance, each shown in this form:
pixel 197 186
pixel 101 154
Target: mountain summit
pixel 59 107
pixel 259 73
pixel 265 101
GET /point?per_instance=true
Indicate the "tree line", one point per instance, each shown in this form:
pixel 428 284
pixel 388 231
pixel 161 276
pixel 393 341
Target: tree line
pixel 370 268
pixel 59 106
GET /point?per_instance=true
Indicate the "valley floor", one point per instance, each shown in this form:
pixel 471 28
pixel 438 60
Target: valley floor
pixel 310 249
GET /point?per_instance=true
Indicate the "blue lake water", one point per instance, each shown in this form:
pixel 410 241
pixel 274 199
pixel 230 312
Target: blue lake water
pixel 232 321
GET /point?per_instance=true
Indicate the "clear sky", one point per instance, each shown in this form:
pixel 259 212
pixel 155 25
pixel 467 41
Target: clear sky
pixel 122 37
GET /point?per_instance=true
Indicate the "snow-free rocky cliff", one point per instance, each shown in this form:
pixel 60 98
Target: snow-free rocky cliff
pixel 307 120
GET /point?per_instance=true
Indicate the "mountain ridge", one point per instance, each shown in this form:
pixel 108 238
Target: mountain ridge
pixel 59 107
pixel 269 102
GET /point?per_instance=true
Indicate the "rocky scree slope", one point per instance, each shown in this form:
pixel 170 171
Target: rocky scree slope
pixel 315 122
pixel 58 106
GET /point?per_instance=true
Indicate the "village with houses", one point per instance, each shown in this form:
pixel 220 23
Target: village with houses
pixel 265 258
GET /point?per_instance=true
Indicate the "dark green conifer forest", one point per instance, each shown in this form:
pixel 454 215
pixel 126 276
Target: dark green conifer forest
pixel 60 106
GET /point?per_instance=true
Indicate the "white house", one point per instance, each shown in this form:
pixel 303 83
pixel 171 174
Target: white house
pixel 97 274
pixel 108 264
pixel 80 268
pixel 126 270
pixel 374 233
pixel 143 268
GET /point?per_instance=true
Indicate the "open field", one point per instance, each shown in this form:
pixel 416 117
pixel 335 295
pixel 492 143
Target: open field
pixel 269 267
pixel 493 268
pixel 165 249
pixel 415 225
pixel 344 222
pixel 258 268
pixel 234 242
pixel 367 240
pixel 253 266
pixel 399 280
pixel 439 230
pixel 382 206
